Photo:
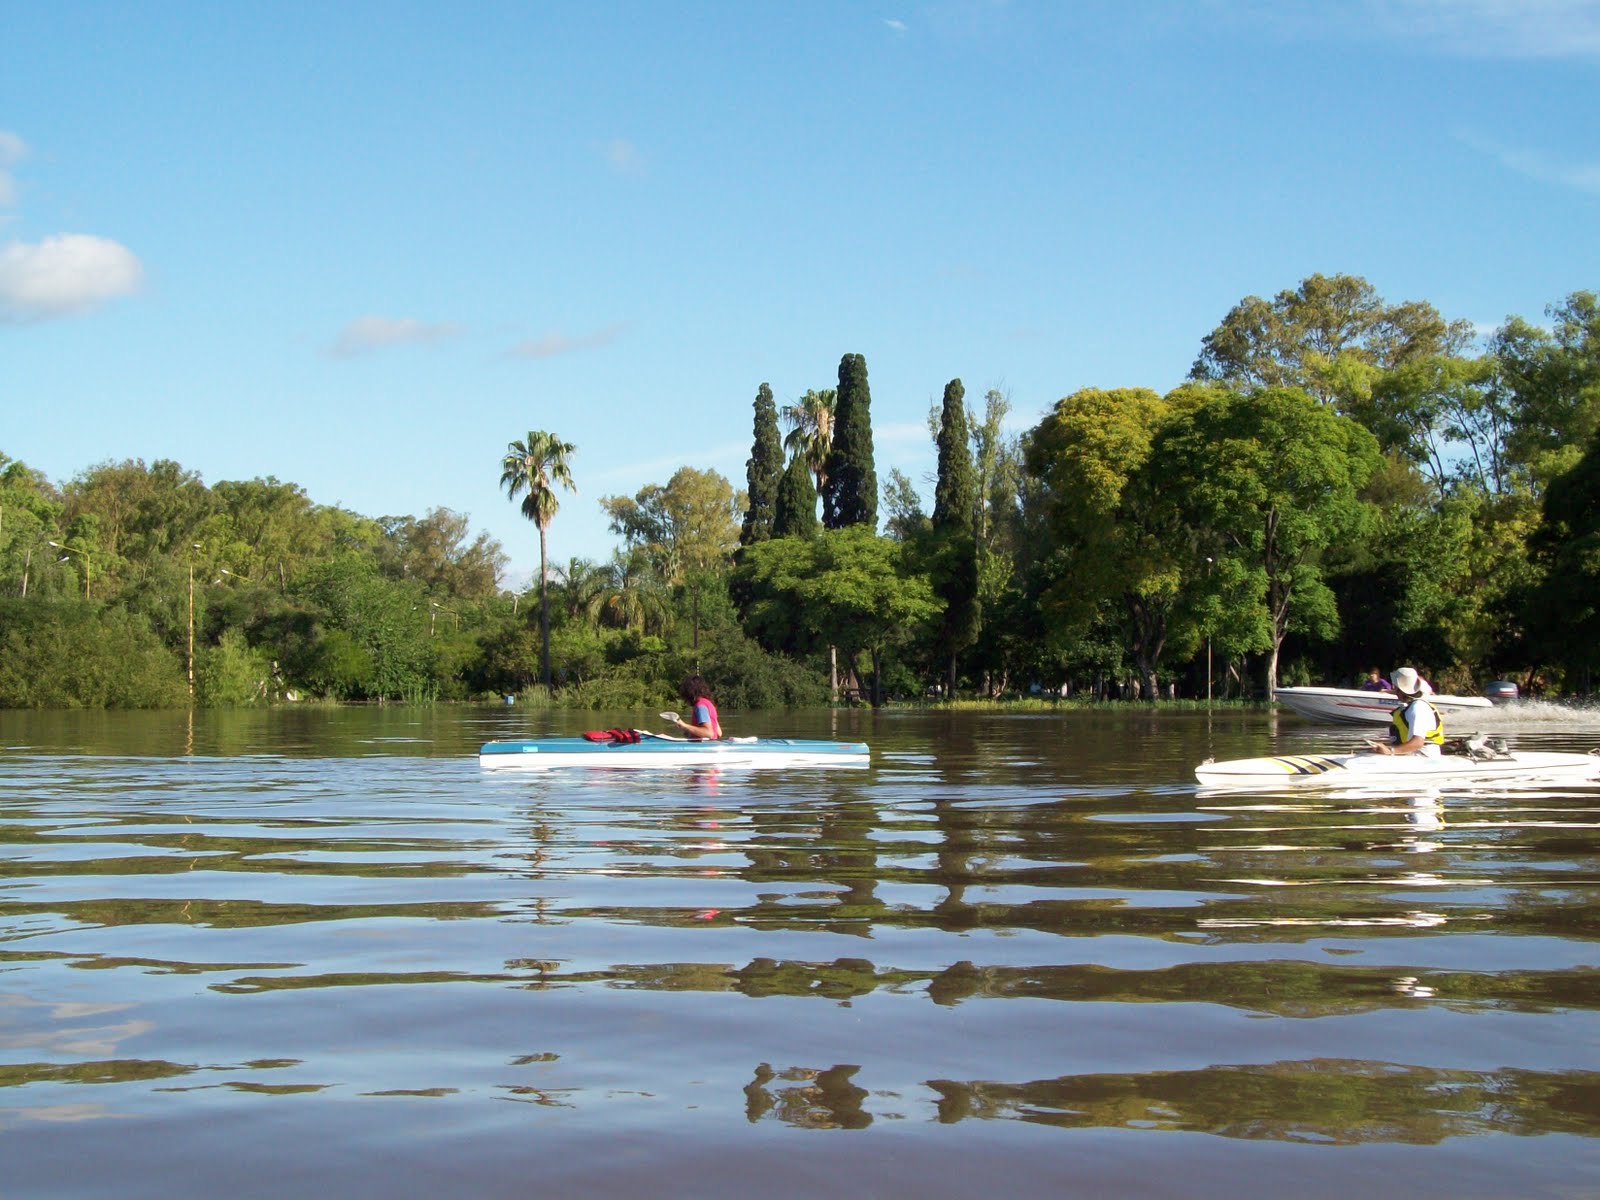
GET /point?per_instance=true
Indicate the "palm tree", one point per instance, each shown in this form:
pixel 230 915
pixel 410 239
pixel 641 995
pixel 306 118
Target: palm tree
pixel 535 467
pixel 578 581
pixel 632 594
pixel 810 420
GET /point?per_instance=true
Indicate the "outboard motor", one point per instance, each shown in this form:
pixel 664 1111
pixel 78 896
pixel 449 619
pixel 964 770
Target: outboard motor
pixel 1501 691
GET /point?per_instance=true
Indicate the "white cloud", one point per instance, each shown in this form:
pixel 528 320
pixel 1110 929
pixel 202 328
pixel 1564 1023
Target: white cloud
pixel 898 26
pixel 552 344
pixel 369 333
pixel 64 274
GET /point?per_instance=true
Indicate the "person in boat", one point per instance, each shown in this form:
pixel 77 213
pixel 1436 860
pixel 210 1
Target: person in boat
pixel 1418 728
pixel 1375 682
pixel 700 723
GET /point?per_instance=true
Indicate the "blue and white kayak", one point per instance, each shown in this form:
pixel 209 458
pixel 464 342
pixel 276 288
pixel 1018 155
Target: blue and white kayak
pixel 653 751
pixel 1340 770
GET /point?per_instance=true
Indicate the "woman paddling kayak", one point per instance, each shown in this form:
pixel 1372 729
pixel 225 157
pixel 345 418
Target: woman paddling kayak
pixel 701 723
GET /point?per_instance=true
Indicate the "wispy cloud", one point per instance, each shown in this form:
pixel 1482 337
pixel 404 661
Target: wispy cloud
pixel 1495 28
pixel 624 157
pixel 897 26
pixel 63 275
pixel 550 345
pixel 369 333
pixel 900 433
pixel 1535 164
pixel 638 473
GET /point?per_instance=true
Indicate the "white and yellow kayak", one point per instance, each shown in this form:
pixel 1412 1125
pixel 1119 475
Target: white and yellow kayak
pixel 1337 770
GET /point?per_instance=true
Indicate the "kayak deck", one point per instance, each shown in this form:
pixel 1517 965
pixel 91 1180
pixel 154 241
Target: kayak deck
pixel 1337 769
pixel 662 752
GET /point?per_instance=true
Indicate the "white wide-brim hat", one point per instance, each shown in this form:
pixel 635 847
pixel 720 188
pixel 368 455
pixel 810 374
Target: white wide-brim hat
pixel 1408 683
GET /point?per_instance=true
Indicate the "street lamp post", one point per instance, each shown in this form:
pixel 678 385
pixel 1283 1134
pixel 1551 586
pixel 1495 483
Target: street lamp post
pixel 1210 562
pixel 83 554
pixel 194 546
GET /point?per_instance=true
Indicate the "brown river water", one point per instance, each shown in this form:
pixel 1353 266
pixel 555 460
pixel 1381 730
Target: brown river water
pixel 322 952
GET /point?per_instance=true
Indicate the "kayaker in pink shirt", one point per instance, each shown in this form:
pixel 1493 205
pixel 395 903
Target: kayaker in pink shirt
pixel 701 721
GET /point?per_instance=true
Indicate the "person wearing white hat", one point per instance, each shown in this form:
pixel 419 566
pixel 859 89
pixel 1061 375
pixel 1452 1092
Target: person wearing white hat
pixel 1418 728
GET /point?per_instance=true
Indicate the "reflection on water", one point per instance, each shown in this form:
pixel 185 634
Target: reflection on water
pixel 325 945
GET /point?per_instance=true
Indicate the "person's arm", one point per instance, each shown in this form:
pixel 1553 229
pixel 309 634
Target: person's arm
pixel 694 728
pixel 1420 728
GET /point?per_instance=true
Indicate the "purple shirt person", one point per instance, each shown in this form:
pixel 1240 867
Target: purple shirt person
pixel 1375 682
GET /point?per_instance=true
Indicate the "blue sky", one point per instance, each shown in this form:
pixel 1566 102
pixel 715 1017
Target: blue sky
pixel 360 247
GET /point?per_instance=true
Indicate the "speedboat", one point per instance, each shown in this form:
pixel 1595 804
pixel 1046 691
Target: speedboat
pixel 1477 760
pixel 1352 706
pixel 655 750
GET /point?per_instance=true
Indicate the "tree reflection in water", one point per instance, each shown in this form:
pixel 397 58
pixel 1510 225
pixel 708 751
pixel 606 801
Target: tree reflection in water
pixel 813 1098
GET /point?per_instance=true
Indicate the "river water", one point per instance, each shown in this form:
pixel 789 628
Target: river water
pixel 323 951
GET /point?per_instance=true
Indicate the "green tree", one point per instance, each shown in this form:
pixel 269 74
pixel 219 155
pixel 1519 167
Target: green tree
pixel 1292 340
pixel 689 530
pixel 1272 480
pixel 270 530
pixel 376 641
pixel 631 594
pixel 1118 550
pixel 30 515
pixel 439 552
pixel 955 509
pixel 76 654
pixel 688 525
pixel 906 521
pixel 795 514
pixel 763 470
pixel 1549 386
pixel 1565 606
pixel 850 490
pixel 847 586
pixel 533 469
pixel 232 673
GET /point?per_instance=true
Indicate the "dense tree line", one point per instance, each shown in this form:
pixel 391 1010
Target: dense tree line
pixel 1340 482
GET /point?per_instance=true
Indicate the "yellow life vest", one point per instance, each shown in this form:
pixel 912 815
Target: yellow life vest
pixel 1403 731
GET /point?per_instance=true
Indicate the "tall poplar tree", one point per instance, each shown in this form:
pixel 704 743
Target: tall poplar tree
pixel 955 507
pixel 762 471
pixel 850 493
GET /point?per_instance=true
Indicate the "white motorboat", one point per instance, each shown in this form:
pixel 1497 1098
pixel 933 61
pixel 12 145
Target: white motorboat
pixel 1352 706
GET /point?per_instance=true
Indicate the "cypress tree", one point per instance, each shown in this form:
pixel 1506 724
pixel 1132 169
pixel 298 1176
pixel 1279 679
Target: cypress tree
pixel 955 505
pixel 955 498
pixel 795 513
pixel 850 495
pixel 762 471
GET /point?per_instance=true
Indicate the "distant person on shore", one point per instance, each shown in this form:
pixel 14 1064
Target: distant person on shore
pixel 1418 728
pixel 1375 682
pixel 701 723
